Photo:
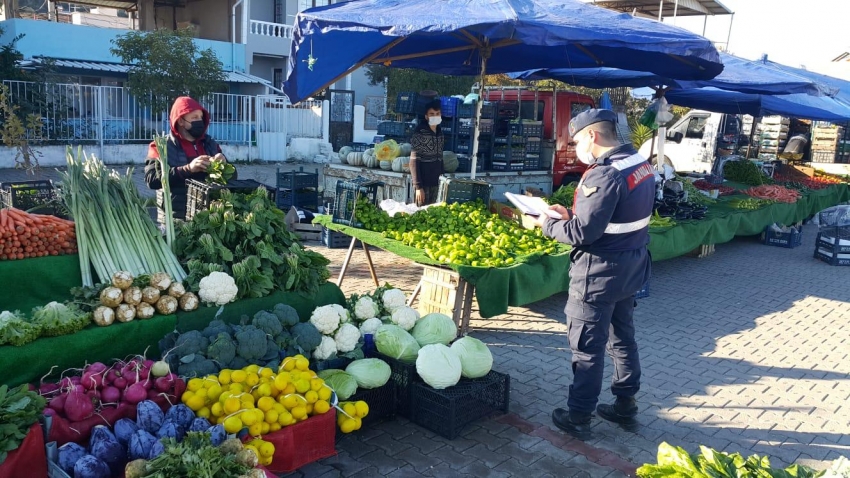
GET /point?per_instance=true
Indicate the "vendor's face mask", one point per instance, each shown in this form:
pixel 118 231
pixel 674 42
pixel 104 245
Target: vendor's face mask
pixel 434 120
pixel 584 146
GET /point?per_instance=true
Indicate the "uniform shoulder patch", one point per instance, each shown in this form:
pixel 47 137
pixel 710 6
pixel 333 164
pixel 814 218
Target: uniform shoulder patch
pixel 588 191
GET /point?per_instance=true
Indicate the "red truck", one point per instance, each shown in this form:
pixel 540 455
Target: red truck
pixel 556 116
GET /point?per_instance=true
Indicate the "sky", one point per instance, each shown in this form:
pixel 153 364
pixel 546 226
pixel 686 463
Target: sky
pixel 796 33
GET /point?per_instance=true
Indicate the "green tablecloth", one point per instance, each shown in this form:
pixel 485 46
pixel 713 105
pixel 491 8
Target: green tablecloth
pixel 328 293
pixel 34 282
pixel 722 222
pixel 93 344
pixel 543 276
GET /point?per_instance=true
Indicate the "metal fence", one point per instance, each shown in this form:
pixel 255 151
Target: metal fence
pixel 91 114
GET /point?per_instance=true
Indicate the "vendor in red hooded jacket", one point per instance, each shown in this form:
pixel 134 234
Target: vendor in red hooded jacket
pixel 190 150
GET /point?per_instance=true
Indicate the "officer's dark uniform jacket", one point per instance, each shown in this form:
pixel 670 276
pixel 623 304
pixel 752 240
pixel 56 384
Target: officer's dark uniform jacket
pixel 610 228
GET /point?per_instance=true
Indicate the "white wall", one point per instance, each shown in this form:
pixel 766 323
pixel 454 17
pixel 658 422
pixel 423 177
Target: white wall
pixel 54 156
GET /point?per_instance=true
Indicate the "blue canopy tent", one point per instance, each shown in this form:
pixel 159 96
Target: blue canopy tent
pixel 739 74
pixel 476 37
pixel 798 105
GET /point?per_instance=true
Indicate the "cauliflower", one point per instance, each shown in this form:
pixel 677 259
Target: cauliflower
pixel 405 317
pixel 365 308
pixel 326 318
pixel 393 299
pixel 217 288
pixel 344 315
pixel 346 338
pixel 370 326
pixel 326 349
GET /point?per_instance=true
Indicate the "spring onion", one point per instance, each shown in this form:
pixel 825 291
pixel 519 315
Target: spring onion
pixel 114 229
pixel 162 152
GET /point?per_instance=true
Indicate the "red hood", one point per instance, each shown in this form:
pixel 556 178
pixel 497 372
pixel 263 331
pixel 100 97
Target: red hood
pixel 184 105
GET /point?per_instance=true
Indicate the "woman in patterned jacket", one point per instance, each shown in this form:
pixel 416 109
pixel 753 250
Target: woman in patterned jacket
pixel 426 155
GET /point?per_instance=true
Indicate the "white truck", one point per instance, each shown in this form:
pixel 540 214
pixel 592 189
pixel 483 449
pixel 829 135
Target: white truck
pixel 697 140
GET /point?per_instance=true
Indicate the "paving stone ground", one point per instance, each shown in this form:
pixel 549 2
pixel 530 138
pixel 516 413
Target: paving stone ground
pixel 747 350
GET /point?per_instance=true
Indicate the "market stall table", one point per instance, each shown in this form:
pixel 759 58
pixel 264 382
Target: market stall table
pixel 539 277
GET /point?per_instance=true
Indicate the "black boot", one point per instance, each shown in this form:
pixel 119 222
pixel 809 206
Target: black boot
pixel 575 423
pixel 623 412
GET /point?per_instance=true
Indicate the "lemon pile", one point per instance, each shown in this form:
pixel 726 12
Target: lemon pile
pixel 263 449
pixel 351 415
pixel 259 398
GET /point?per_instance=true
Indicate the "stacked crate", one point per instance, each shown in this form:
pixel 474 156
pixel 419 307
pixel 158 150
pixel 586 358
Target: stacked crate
pixel 828 144
pixel 773 135
pixel 508 141
pixel 465 134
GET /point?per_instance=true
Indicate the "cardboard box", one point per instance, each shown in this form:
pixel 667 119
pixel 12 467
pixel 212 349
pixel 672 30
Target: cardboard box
pixel 510 213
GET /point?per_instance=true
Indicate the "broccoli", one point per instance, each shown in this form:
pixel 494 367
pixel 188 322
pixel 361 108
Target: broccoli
pixel 283 339
pixel 307 336
pixel 287 315
pixel 198 367
pixel 191 342
pixel 267 322
pixel 214 328
pixel 272 350
pixel 222 349
pixel 252 343
pixel 274 364
pixel 238 363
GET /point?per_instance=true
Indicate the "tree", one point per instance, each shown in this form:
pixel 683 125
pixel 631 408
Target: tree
pixel 20 125
pixel 167 64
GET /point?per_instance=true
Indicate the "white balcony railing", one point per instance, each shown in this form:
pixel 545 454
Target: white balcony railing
pixel 269 29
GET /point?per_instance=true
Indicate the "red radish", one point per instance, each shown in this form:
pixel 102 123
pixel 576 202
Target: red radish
pixel 92 381
pixel 148 363
pixel 48 388
pixel 94 395
pixel 58 403
pixel 78 406
pixel 111 375
pixel 66 383
pixel 135 393
pixel 120 383
pixel 163 384
pixel 152 394
pixel 76 380
pixel 97 367
pixel 110 395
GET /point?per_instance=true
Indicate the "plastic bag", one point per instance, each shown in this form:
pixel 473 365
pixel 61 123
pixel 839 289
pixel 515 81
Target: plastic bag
pixel 387 150
pixel 657 114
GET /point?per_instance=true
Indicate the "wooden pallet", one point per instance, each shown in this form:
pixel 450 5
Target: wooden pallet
pixel 827 133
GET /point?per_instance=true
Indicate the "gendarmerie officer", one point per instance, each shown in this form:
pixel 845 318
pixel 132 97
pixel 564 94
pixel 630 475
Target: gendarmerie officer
pixel 609 230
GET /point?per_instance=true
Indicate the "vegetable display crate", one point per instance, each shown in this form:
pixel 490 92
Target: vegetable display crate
pixel 533 145
pixel 347 194
pixel 337 363
pixel 833 249
pixel 200 195
pixel 488 110
pixel 303 443
pixel 392 128
pixel 463 190
pixel 534 129
pixel 448 106
pixel 35 196
pixel 509 153
pixel 334 239
pixel 381 401
pixel 403 376
pixel 447 412
pixel 531 162
pixel 789 240
pixel 406 102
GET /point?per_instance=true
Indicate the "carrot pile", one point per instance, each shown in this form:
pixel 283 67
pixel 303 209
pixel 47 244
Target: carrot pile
pixel 24 235
pixel 774 192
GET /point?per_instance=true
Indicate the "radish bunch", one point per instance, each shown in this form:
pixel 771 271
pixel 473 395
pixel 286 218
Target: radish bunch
pixel 98 387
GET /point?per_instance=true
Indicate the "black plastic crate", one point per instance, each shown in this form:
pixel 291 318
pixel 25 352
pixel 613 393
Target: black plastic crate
pixel 485 127
pixel 464 129
pixel 464 164
pixel 359 147
pixel 347 194
pixel 334 239
pixel 507 166
pixel 39 197
pixel 468 111
pixel 199 195
pixel 463 146
pixel 448 106
pixel 449 142
pixel 406 102
pixel 297 179
pixel 334 363
pixel 788 240
pixel 392 128
pixel 509 139
pixel 447 412
pixel 510 153
pixel 381 401
pixel 533 145
pixel 527 129
pixel 463 190
pixel 832 259
pixel 833 243
pixel 449 126
pixel 403 377
pixel 531 162
pixel 305 199
pixel 507 109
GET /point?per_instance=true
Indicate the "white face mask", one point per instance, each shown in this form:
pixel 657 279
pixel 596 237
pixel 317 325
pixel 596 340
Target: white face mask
pixel 435 120
pixel 585 156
